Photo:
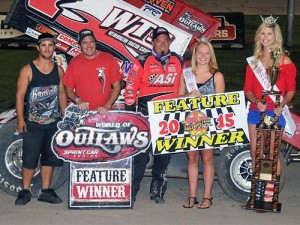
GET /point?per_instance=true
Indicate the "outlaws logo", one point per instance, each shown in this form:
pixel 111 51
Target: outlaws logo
pixel 192 24
pixel 91 137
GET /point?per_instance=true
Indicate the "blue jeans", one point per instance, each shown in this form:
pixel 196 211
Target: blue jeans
pixel 254 117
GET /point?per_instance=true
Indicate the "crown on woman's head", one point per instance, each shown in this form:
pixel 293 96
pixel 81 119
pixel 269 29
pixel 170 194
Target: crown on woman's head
pixel 203 39
pixel 269 20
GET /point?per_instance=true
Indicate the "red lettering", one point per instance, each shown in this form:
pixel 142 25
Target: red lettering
pixel 74 52
pixel 164 4
pixel 47 8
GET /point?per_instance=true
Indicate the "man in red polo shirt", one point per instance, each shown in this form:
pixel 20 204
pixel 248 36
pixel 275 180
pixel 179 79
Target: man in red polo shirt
pixel 92 79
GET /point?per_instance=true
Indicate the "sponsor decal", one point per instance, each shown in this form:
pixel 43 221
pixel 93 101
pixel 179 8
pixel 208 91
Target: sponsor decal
pixel 151 10
pixel 74 52
pixel 44 29
pixel 166 6
pixel 32 33
pixel 67 39
pixel 126 66
pixel 196 123
pixel 91 137
pixel 192 24
pixel 162 80
pixel 128 42
pixel 62 46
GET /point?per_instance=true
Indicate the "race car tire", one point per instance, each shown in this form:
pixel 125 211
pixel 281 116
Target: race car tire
pixel 11 164
pixel 235 172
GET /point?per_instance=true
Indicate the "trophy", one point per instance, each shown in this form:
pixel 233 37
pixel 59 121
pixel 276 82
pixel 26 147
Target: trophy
pixel 265 181
pixel 273 71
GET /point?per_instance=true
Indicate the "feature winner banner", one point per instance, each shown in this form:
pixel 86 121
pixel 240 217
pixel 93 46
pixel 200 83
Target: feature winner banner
pixel 209 121
pixel 100 185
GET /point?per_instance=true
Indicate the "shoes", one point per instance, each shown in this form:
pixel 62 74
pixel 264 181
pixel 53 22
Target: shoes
pixel 205 200
pixel 24 196
pixel 190 202
pixel 158 200
pixel 49 195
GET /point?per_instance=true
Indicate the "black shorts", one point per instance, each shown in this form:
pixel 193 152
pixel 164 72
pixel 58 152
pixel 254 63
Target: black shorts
pixel 37 144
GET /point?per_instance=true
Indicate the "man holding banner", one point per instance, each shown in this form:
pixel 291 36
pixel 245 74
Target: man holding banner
pixel 153 76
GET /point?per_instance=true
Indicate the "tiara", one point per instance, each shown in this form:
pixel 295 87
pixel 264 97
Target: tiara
pixel 269 20
pixel 203 39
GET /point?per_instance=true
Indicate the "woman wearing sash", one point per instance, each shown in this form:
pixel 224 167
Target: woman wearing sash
pixel 268 38
pixel 209 81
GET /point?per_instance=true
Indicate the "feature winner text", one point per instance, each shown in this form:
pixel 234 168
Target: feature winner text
pixel 200 142
pixel 191 104
pixel 226 112
pixel 101 184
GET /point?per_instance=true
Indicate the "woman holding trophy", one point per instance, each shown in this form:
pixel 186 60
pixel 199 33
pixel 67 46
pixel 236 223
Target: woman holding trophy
pixel 271 70
pixel 207 80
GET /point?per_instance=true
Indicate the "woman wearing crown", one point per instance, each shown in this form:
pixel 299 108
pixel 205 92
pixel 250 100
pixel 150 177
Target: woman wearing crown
pixel 209 81
pixel 268 53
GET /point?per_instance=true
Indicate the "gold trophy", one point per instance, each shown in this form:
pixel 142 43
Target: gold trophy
pixel 265 171
pixel 273 71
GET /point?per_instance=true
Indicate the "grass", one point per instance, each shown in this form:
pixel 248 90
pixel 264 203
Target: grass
pixel 11 61
pixel 231 62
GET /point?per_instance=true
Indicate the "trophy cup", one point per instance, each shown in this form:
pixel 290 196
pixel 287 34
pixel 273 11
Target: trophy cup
pixel 265 181
pixel 273 71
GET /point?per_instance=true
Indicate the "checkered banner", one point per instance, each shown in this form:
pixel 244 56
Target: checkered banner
pixel 209 121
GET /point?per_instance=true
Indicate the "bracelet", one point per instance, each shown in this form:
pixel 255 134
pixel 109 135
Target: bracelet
pixel 256 101
pixel 77 99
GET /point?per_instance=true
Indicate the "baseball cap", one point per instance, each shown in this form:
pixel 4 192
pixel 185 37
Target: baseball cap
pixel 46 36
pixel 158 31
pixel 85 33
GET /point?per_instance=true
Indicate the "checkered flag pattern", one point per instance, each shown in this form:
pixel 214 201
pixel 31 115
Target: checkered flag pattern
pixel 212 113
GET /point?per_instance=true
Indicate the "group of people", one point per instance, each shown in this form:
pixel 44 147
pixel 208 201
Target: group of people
pixel 92 81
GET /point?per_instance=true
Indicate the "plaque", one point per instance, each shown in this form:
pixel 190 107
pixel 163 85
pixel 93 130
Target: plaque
pixel 266 169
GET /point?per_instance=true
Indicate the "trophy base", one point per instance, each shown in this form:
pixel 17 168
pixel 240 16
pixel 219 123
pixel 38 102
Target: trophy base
pixel 261 206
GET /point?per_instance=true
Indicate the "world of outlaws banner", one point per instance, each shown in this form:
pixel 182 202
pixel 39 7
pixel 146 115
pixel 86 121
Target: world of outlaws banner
pixel 86 136
pixel 210 121
pixel 100 149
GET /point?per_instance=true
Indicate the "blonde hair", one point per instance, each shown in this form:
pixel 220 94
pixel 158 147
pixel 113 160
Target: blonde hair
pixel 258 47
pixel 213 65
